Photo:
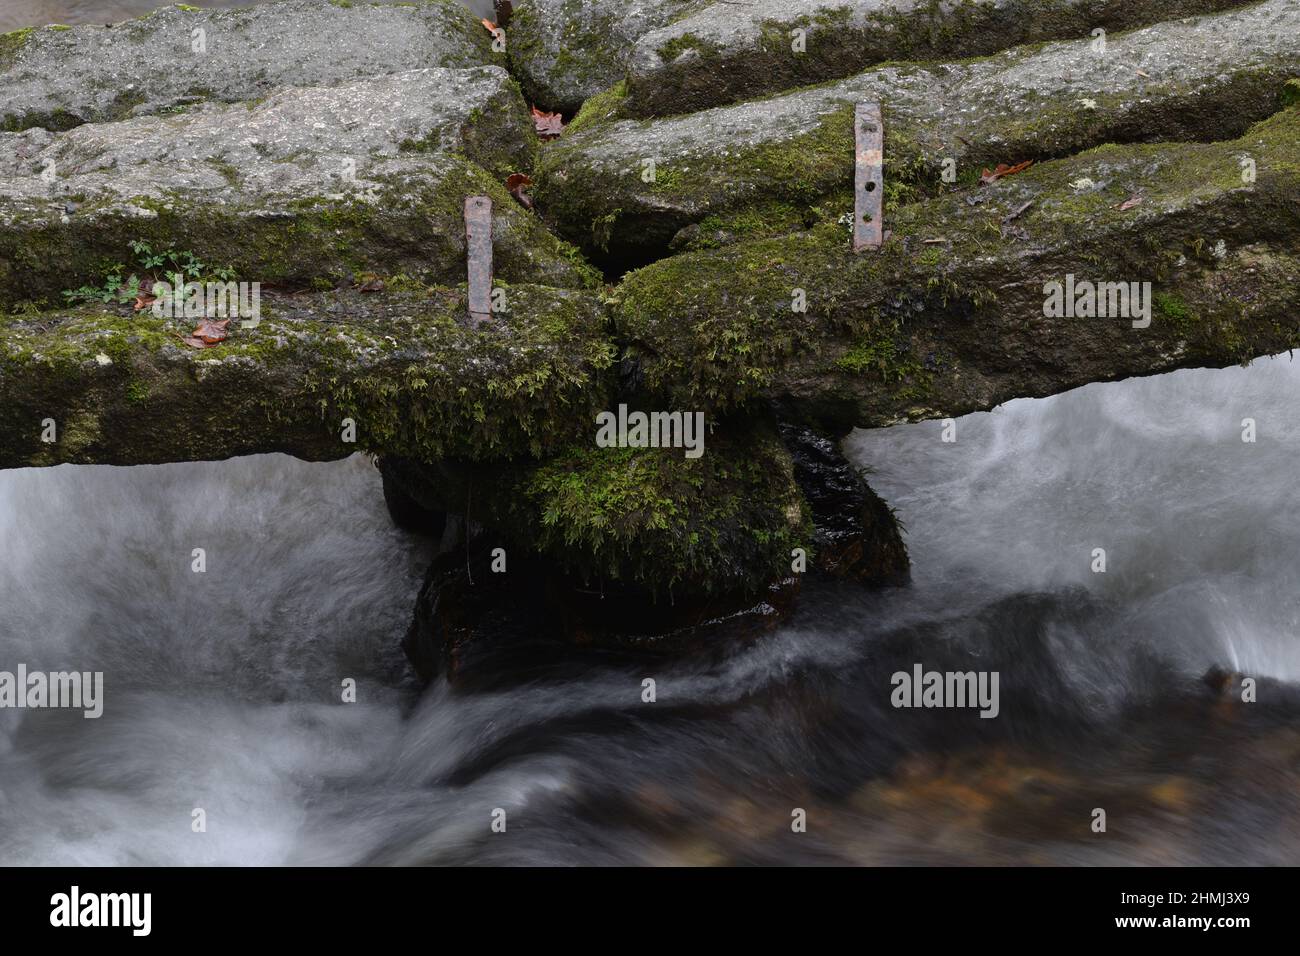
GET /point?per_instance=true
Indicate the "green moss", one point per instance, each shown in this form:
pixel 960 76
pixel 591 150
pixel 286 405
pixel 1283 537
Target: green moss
pixel 680 44
pixel 744 224
pixel 416 380
pixel 417 227
pixel 725 521
pixel 716 328
pixel 878 352
pixel 601 108
pixel 1291 93
pixel 11 45
pixel 1174 310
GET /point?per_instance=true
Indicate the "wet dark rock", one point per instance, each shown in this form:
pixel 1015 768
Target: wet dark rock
pixel 481 627
pixel 856 535
pixel 408 514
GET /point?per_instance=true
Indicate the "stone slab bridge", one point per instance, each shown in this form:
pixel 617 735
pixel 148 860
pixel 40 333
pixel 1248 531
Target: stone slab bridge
pixel 685 246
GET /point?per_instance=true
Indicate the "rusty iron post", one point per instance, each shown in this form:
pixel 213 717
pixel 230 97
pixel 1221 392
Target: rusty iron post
pixel 868 177
pixel 478 242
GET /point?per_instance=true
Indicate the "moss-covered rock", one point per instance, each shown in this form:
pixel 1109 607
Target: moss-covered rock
pixel 59 77
pixel 122 388
pixel 564 51
pixel 728 51
pixel 322 182
pixel 949 316
pixel 644 518
pixel 772 166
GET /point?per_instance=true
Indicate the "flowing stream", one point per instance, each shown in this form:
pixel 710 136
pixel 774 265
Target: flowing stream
pixel 223 689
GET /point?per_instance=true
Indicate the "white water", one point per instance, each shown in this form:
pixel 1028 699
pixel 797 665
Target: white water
pixel 223 688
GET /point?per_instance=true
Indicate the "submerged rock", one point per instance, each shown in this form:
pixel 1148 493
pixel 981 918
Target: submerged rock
pixel 954 313
pixel 728 50
pixel 476 626
pixel 122 388
pixel 308 183
pixel 856 535
pixel 408 514
pixel 780 164
pixel 59 77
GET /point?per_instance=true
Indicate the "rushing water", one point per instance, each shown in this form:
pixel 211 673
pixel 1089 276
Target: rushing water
pixel 15 14
pixel 223 688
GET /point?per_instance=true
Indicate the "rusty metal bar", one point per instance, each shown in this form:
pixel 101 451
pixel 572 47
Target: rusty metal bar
pixel 868 177
pixel 478 241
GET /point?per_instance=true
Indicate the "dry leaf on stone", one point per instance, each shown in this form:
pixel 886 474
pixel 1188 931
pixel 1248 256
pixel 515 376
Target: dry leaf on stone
pixel 548 125
pixel 992 175
pixel 1134 200
pixel 208 333
pixel 516 183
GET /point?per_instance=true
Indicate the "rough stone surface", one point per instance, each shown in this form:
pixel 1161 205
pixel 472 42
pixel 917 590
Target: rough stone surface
pixel 122 388
pixel 767 166
pixel 948 317
pixel 765 315
pixel 645 519
pixel 489 631
pixel 369 176
pixel 564 51
pixel 855 535
pixel 731 50
pixel 59 77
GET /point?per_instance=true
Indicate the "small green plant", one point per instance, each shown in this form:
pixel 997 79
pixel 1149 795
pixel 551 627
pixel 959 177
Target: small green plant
pixel 149 265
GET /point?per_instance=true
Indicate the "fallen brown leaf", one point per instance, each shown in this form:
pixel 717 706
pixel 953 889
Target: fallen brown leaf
pixel 989 176
pixel 144 300
pixel 1134 200
pixel 548 125
pixel 516 183
pixel 208 333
